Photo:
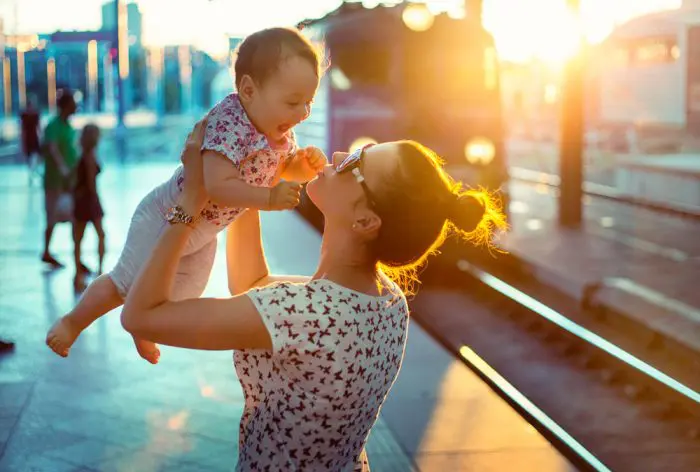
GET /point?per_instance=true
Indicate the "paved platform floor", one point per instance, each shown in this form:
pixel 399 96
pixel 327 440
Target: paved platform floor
pixel 105 409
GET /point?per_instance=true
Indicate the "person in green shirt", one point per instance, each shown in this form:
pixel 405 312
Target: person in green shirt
pixel 60 157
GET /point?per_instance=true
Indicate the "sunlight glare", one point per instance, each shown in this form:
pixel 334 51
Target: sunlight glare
pixel 177 421
pixel 207 391
pixel 551 32
pixel 524 30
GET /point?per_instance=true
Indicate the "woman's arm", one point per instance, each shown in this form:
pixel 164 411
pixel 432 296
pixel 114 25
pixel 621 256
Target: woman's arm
pixel 245 258
pixel 55 154
pixel 214 324
pixel 225 187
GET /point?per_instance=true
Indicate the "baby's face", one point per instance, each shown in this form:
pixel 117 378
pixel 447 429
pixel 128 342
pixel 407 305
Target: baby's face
pixel 284 100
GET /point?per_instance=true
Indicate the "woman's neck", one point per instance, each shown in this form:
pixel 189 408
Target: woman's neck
pixel 343 262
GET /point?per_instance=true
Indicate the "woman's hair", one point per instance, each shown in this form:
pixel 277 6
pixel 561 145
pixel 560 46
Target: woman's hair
pixel 260 54
pixel 420 205
pixel 89 137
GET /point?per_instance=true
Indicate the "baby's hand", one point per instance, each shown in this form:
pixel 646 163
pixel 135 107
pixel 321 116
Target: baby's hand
pixel 284 196
pixel 305 165
pixel 315 158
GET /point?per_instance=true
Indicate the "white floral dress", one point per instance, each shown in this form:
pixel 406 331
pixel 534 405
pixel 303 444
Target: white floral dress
pixel 310 403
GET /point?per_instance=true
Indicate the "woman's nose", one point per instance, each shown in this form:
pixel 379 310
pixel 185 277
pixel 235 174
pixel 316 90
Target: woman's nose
pixel 338 158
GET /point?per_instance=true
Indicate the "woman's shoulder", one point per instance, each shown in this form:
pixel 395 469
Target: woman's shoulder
pixel 389 293
pixel 325 290
pixel 283 289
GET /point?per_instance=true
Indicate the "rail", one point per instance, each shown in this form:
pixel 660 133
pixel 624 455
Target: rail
pixel 602 191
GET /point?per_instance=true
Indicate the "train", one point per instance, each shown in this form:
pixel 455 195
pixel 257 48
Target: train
pixel 646 77
pixel 402 72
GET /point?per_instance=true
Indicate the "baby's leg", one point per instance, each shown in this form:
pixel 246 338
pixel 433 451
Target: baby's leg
pixel 108 291
pixel 100 297
pixel 193 273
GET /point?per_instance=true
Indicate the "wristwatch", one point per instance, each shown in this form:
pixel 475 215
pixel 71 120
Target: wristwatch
pixel 177 215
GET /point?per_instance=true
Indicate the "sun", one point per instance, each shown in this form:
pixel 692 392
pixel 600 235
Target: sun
pixel 537 29
pixel 548 30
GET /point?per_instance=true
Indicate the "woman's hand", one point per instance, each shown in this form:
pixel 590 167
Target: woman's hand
pixel 194 195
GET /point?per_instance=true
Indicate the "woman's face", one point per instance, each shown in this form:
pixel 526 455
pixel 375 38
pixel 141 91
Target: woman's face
pixel 339 196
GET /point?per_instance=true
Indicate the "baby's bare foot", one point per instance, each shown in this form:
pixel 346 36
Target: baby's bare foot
pixel 61 336
pixel 148 350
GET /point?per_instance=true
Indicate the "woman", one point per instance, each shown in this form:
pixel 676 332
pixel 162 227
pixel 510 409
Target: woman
pixel 316 357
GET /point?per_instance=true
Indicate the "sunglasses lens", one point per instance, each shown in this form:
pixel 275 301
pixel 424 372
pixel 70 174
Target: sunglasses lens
pixel 351 158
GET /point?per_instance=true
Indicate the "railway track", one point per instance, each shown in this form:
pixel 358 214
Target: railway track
pixel 602 191
pixel 604 407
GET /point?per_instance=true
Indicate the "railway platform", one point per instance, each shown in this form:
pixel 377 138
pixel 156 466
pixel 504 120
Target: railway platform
pixel 105 409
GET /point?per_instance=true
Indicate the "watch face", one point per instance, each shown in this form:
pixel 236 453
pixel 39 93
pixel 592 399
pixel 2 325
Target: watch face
pixel 170 215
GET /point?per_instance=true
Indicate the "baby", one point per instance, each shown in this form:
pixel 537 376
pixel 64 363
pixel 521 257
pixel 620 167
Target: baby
pixel 248 147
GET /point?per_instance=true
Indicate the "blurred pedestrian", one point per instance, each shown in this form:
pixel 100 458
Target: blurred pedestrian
pixel 6 345
pixel 60 156
pixel 86 202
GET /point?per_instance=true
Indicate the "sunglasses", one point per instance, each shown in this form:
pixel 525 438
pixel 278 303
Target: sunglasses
pixel 352 164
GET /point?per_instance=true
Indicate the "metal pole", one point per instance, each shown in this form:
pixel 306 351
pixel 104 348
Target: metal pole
pixel 51 82
pixel 108 82
pixel 157 67
pixel 185 62
pixel 21 82
pixel 7 81
pixel 122 46
pixel 571 143
pixel 92 75
pixel 121 42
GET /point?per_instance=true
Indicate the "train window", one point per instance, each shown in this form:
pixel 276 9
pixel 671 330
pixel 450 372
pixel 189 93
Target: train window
pixel 363 64
pixel 675 52
pixel 655 50
pixel 619 56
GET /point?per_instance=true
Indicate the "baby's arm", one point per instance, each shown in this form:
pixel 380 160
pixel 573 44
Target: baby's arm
pixel 225 187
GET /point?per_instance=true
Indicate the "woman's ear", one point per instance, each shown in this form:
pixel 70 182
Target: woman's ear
pixel 367 224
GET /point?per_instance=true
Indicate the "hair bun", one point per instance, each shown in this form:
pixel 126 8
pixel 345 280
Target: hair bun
pixel 465 211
